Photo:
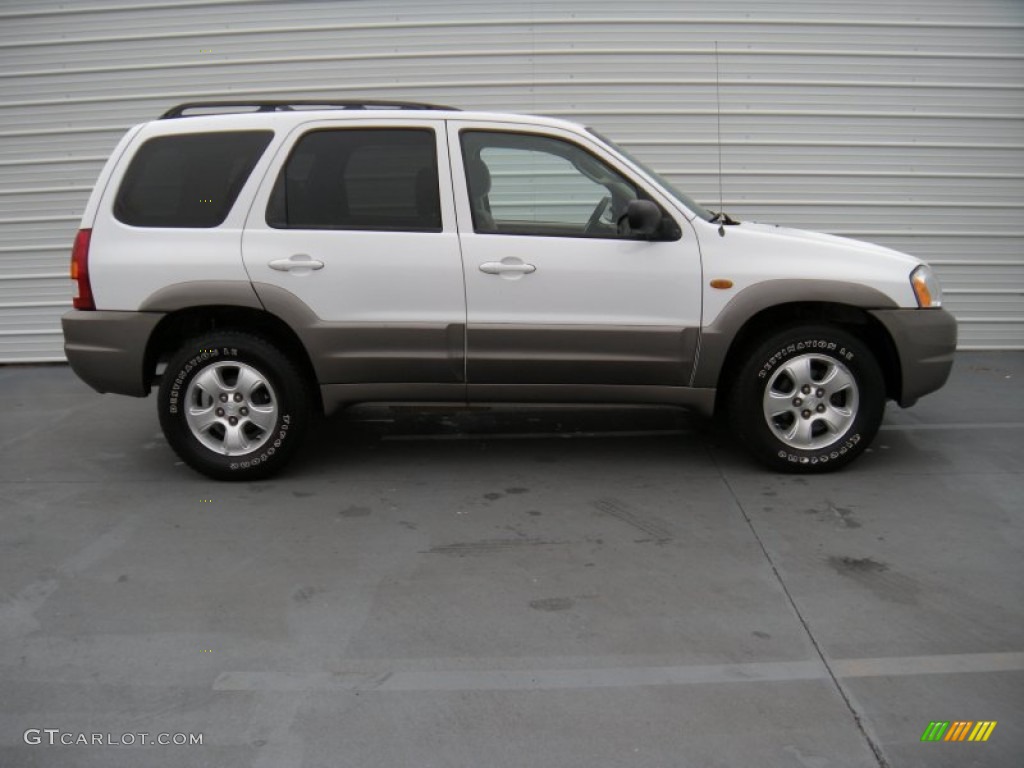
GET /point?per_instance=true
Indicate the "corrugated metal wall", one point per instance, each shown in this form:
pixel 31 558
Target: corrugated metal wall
pixel 897 123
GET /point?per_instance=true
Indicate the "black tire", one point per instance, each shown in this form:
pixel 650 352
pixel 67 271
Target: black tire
pixel 233 406
pixel 807 399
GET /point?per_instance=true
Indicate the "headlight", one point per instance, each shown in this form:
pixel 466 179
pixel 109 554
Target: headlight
pixel 926 287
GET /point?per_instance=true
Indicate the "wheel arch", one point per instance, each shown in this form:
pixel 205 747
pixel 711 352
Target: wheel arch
pixel 187 322
pixel 720 359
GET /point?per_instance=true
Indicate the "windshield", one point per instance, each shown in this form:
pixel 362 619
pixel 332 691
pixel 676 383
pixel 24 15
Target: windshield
pixel 686 200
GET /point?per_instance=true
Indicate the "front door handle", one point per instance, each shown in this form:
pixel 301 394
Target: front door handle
pixel 504 268
pixel 296 263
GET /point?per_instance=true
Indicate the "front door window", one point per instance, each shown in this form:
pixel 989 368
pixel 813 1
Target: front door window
pixel 523 184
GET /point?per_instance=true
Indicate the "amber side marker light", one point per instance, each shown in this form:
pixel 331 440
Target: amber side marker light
pixel 721 284
pixel 80 271
pixel 924 296
pixel 926 287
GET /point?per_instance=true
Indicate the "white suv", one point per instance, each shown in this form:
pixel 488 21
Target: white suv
pixel 266 262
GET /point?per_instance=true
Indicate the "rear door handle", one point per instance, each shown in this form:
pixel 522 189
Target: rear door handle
pixel 300 261
pixel 501 268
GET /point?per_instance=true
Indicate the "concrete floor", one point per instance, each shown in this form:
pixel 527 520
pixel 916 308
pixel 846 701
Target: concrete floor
pixel 498 588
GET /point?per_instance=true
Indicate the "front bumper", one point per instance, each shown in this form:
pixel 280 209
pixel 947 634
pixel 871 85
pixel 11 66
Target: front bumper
pixel 925 341
pixel 107 350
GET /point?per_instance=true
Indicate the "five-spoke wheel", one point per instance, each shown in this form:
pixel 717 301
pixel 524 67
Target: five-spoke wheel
pixel 233 406
pixel 809 398
pixel 810 401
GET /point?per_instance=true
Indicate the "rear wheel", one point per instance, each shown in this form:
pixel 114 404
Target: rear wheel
pixel 809 399
pixel 233 406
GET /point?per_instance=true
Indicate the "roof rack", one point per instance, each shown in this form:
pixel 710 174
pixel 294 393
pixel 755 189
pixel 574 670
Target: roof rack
pixel 289 105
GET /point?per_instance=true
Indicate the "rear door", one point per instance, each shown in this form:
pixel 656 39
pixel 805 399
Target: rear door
pixel 557 293
pixel 353 242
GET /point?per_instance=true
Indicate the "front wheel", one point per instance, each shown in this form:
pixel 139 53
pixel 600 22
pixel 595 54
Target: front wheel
pixel 809 399
pixel 232 406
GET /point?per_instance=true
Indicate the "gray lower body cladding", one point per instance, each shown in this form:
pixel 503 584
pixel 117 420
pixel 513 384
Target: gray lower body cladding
pixel 426 363
pixel 506 363
pixel 581 355
pixel 925 340
pixel 106 349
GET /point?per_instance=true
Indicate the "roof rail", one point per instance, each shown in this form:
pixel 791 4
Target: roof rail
pixel 289 105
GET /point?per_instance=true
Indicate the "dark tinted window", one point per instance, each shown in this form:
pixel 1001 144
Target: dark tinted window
pixel 384 179
pixel 188 181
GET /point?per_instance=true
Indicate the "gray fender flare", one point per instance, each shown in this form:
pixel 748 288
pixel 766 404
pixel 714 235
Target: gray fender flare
pixel 716 339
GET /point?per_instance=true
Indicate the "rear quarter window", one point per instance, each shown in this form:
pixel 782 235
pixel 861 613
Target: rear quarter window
pixel 189 180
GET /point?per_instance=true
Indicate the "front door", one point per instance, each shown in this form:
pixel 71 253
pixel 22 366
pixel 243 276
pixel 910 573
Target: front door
pixel 558 293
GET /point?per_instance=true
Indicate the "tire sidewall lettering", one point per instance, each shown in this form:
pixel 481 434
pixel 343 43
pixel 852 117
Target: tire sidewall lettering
pixel 786 351
pixel 268 450
pixel 193 364
pixel 832 453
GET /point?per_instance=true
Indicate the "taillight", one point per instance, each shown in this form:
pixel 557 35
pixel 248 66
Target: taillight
pixel 80 271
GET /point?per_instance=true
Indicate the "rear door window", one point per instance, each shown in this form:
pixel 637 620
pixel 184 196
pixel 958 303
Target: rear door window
pixel 190 180
pixel 370 179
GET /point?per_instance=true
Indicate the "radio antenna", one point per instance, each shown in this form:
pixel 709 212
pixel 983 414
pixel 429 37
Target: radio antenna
pixel 718 116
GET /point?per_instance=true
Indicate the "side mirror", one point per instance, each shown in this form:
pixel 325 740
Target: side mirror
pixel 644 217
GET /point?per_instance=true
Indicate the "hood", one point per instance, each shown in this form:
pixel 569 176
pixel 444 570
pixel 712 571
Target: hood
pixel 839 246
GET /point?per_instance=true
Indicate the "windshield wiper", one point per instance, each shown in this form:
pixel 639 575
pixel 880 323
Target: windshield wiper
pixel 722 218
